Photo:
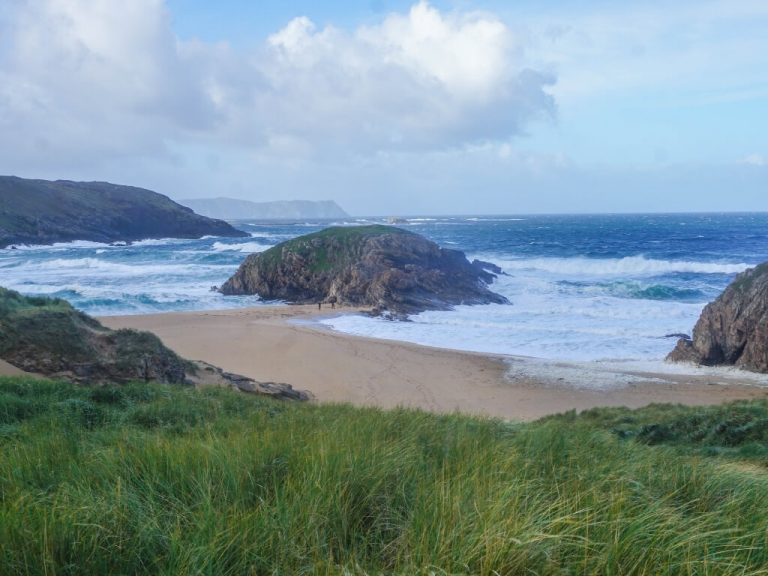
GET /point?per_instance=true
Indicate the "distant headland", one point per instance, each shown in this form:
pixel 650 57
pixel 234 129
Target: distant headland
pixel 234 209
pixel 45 212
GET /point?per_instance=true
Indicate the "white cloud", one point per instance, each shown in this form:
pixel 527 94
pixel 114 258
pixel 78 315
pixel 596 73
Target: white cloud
pixel 755 160
pixel 692 50
pixel 89 81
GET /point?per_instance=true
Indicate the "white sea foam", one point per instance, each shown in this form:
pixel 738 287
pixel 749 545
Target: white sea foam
pixel 619 267
pixel 547 319
pixel 245 247
pixel 603 375
pixel 496 219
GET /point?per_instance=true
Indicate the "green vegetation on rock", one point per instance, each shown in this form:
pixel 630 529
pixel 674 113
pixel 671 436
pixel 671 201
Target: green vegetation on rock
pixel 383 267
pixel 49 336
pixel 44 212
pixel 150 479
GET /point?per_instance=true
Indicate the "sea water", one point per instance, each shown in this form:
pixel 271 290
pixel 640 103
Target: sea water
pixel 582 288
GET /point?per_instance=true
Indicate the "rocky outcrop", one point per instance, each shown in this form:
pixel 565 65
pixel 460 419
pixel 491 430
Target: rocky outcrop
pixel 386 268
pixel 49 337
pixel 209 375
pixel 732 330
pixel 43 212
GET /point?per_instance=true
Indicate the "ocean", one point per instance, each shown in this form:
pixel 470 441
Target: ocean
pixel 582 287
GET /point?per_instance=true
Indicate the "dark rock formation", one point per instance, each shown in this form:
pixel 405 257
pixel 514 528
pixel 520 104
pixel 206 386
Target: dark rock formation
pixel 732 330
pixel 43 212
pixel 387 268
pixel 208 375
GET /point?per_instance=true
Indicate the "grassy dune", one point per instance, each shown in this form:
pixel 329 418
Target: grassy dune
pixel 144 478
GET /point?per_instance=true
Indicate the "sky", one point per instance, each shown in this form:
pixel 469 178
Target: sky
pixel 396 107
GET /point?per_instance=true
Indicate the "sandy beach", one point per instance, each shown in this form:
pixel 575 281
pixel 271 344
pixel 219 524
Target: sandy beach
pixel 268 344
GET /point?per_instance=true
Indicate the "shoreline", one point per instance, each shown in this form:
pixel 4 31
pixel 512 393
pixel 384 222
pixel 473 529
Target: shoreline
pixel 282 344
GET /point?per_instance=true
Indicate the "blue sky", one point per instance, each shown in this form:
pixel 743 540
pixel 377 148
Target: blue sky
pixel 396 107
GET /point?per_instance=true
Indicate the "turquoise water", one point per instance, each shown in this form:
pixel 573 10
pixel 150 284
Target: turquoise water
pixel 581 287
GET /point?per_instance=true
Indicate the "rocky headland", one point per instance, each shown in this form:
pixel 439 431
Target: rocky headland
pixel 732 330
pixel 49 337
pixel 237 209
pixel 45 212
pixel 383 267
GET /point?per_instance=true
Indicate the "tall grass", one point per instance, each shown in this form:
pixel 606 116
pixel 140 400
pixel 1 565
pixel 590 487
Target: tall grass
pixel 150 479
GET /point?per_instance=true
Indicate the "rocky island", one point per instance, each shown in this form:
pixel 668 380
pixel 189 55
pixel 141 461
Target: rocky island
pixel 45 212
pixel 384 267
pixel 732 330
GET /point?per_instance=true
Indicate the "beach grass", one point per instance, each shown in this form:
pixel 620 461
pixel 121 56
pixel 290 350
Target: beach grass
pixel 157 479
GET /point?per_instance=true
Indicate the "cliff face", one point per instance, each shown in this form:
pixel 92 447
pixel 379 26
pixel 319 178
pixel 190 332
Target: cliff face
pixel 379 266
pixel 732 330
pixel 43 212
pixel 235 209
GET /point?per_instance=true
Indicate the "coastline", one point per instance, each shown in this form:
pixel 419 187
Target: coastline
pixel 281 344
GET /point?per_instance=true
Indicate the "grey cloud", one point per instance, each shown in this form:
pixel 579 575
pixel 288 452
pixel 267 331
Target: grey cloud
pixel 92 81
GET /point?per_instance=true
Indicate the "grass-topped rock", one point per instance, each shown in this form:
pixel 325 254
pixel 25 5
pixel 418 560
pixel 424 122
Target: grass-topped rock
pixel 44 212
pixel 732 330
pixel 384 267
pixel 48 336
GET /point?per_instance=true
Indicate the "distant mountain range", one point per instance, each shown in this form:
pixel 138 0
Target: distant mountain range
pixel 234 209
pixel 44 212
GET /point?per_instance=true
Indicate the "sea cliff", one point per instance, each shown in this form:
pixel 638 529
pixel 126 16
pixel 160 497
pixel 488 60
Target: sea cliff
pixel 732 330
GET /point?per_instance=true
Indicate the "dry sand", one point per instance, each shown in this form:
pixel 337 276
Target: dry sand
pixel 264 344
pixel 9 370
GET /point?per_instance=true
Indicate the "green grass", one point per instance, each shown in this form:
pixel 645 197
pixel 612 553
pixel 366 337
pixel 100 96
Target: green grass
pixel 346 244
pixel 164 480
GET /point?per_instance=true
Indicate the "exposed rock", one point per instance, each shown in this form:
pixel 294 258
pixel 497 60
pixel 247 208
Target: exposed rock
pixel 732 330
pixel 488 267
pixel 386 268
pixel 43 212
pixel 209 375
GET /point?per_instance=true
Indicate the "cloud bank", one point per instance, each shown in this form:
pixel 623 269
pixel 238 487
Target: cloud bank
pixel 88 81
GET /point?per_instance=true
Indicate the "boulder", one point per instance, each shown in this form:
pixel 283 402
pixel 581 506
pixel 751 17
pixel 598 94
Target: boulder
pixel 386 268
pixel 732 330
